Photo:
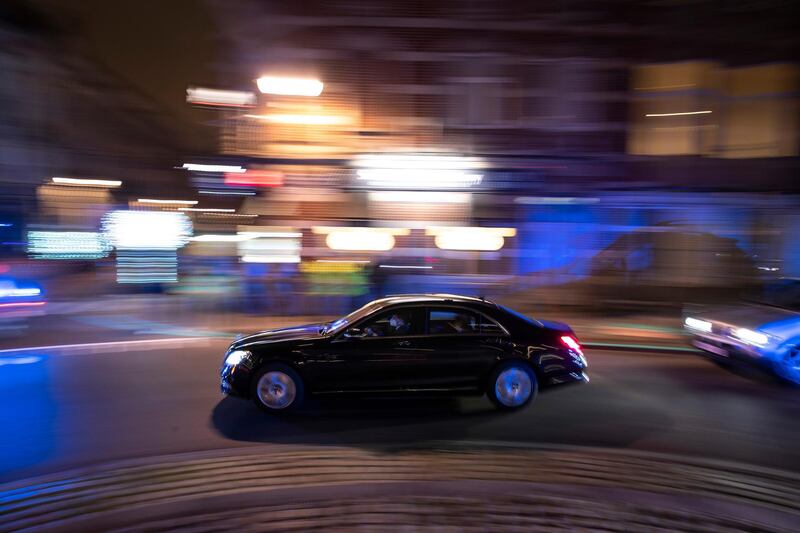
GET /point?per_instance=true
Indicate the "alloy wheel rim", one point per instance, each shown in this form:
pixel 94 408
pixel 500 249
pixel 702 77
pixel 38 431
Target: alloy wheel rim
pixel 276 390
pixel 513 387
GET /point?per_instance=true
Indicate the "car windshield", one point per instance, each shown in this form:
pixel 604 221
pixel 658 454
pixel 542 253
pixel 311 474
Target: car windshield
pixel 356 315
pixel 783 293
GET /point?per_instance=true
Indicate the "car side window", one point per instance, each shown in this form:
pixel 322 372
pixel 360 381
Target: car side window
pixel 394 323
pixel 490 327
pixel 447 321
pixel 443 321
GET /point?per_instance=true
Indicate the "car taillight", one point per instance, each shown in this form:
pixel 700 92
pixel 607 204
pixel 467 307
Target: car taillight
pixel 572 343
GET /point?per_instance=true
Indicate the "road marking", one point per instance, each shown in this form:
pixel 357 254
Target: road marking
pixel 101 347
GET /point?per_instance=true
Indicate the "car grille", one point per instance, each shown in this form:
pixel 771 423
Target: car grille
pixel 722 330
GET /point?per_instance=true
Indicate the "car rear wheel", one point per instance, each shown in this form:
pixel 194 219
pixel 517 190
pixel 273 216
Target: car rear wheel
pixel 278 389
pixel 512 385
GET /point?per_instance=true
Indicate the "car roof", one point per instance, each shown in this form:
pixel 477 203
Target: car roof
pixel 432 298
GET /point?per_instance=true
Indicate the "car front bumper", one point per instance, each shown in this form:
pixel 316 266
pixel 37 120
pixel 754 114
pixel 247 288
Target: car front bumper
pixel 235 380
pixel 724 348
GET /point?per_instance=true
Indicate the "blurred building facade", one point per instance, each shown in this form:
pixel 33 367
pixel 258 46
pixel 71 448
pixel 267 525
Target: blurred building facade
pixel 595 122
pixel 456 145
pixel 66 115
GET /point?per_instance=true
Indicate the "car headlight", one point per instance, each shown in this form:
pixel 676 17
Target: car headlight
pixel 236 357
pixel 696 323
pixel 751 337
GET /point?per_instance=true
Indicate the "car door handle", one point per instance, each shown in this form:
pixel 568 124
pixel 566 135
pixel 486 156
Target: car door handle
pixel 403 344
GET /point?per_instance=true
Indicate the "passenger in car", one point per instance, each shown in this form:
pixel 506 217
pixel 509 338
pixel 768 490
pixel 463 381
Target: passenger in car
pixel 462 324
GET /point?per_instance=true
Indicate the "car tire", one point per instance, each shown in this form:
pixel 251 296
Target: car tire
pixel 512 385
pixel 278 389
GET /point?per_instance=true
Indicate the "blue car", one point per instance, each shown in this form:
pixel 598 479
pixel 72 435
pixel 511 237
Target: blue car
pixel 20 299
pixel 763 330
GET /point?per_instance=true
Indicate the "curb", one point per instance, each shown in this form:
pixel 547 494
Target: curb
pixel 205 489
pixel 111 346
pixel 667 349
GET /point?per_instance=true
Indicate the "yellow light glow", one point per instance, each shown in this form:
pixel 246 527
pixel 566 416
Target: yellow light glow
pixel 335 266
pixel 325 230
pixel 420 197
pixel 301 149
pixel 706 112
pixel 312 120
pixel 166 202
pixel 470 238
pixel 289 86
pixel 360 239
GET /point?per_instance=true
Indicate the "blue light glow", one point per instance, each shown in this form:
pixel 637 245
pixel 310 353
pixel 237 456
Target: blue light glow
pixel 19 292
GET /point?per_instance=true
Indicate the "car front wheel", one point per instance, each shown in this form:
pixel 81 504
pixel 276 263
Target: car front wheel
pixel 278 389
pixel 788 365
pixel 512 385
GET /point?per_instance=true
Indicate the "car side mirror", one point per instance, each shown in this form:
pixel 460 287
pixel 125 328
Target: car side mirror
pixel 354 333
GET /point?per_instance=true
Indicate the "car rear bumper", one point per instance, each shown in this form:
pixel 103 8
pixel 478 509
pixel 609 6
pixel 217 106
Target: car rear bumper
pixel 567 377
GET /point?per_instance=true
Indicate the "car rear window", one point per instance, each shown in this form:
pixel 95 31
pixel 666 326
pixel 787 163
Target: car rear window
pixel 527 319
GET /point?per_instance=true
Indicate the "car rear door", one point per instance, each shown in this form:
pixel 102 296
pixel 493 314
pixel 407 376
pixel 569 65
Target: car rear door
pixel 463 345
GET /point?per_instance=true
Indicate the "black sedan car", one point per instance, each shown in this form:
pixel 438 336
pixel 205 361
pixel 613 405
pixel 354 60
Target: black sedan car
pixel 412 343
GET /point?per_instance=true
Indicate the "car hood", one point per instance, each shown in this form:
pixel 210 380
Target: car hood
pixel 305 332
pixel 773 320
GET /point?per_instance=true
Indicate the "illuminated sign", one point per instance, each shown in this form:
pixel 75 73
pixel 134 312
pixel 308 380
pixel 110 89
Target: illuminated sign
pixel 413 171
pixel 289 86
pixel 67 245
pixel 360 239
pixel 470 238
pixel 147 229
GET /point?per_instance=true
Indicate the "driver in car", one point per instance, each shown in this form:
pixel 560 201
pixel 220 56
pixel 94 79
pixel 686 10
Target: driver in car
pixel 398 325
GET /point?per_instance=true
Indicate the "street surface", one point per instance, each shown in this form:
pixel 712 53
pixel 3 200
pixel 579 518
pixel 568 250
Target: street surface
pixel 64 410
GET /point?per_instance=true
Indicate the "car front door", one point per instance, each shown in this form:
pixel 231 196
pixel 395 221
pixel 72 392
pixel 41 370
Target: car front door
pixel 380 353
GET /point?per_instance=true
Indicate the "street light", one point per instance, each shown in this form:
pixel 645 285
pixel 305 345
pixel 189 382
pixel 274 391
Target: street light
pixel 289 86
pixel 79 182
